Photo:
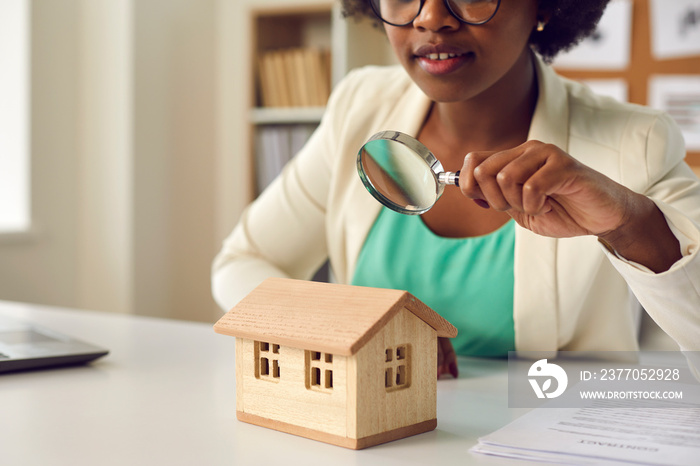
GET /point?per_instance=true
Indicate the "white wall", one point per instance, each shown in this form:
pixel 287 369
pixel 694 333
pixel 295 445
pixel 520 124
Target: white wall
pixel 123 147
pixel 175 101
pixel 105 147
pixel 234 184
pixel 41 265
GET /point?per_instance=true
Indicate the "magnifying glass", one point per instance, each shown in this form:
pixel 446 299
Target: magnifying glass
pixel 402 173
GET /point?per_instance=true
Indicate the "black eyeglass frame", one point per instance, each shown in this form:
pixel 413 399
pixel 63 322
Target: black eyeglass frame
pixel 449 8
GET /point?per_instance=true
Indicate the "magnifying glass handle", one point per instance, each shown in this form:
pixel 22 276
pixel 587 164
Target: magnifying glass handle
pixel 449 178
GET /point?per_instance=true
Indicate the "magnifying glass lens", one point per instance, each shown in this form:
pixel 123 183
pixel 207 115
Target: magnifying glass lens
pixel 397 176
pixel 402 173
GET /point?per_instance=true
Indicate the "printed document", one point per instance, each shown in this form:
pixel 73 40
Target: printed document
pixel 604 432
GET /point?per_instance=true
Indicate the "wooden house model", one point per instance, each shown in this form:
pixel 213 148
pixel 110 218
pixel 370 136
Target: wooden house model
pixel 347 365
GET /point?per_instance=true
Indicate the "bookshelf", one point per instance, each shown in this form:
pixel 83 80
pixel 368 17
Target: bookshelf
pixel 300 49
pixel 278 129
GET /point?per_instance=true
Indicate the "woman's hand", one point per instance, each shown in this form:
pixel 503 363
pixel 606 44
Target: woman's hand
pixel 545 190
pixel 447 359
pixel 552 194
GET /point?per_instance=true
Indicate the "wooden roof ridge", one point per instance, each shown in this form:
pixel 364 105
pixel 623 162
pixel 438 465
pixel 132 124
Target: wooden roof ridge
pixel 328 317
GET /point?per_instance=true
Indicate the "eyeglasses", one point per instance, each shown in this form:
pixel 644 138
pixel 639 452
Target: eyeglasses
pixel 403 12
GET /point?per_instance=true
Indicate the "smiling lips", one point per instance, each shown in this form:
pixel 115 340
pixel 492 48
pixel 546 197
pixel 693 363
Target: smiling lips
pixel 440 60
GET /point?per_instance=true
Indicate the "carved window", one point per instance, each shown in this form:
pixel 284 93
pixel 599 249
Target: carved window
pixel 267 365
pixel 319 371
pixel 397 367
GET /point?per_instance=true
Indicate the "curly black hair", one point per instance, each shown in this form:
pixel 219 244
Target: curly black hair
pixel 569 22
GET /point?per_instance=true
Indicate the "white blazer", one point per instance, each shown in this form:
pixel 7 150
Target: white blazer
pixel 570 294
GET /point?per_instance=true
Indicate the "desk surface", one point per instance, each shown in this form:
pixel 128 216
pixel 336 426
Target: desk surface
pixel 165 395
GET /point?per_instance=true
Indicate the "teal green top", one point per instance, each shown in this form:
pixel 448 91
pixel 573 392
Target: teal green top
pixel 468 281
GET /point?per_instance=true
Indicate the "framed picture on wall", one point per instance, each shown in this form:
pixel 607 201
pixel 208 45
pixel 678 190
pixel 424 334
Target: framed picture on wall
pixel 675 28
pixel 608 48
pixel 679 95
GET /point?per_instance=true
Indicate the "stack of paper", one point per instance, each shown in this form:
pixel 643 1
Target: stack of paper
pixel 601 434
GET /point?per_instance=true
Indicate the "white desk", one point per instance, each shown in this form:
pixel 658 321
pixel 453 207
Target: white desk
pixel 165 395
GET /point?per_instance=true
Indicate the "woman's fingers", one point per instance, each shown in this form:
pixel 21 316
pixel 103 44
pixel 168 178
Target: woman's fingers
pixel 517 178
pixel 500 179
pixel 467 182
pixel 545 190
pixel 447 358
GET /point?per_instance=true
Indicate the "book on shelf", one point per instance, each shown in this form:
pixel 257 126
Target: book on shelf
pixel 294 77
pixel 275 146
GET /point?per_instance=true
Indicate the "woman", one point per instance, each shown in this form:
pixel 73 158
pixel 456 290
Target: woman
pixel 575 198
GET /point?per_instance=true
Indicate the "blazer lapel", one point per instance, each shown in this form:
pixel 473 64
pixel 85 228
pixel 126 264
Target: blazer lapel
pixel 536 300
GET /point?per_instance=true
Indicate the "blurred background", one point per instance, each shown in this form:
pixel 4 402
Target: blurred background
pixel 121 138
pixel 134 132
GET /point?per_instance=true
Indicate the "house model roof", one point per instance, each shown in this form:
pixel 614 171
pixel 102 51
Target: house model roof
pixel 331 318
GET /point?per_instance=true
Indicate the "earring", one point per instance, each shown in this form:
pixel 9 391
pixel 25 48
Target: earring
pixel 540 26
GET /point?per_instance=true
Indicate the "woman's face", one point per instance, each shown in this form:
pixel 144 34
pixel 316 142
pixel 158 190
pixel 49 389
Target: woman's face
pixel 479 56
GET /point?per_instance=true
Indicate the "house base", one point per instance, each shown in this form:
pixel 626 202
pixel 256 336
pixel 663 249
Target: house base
pixel 352 443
